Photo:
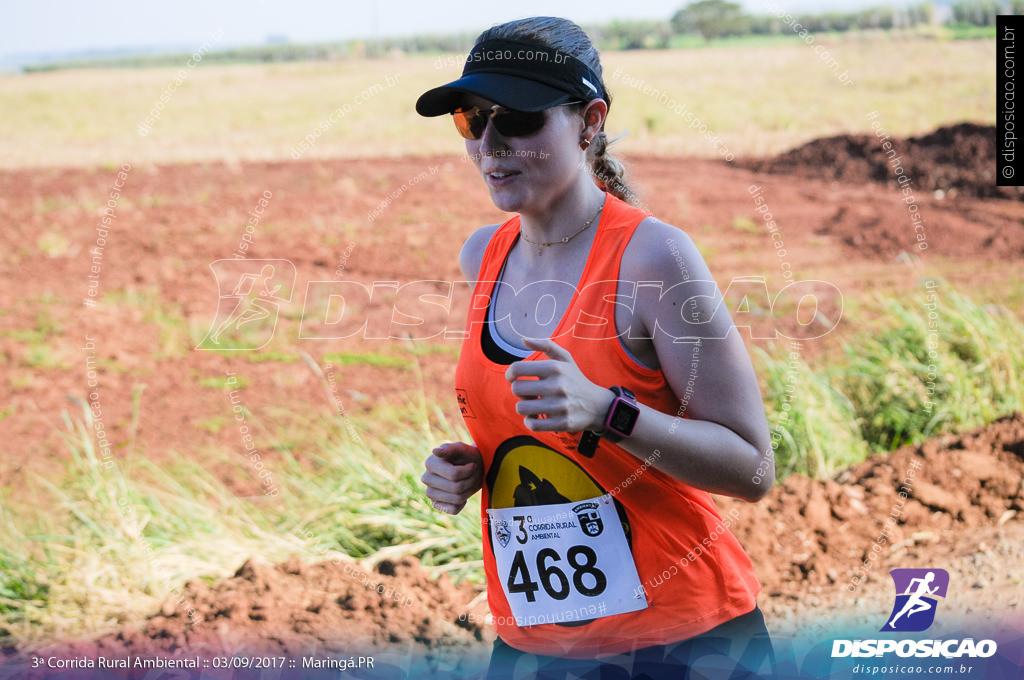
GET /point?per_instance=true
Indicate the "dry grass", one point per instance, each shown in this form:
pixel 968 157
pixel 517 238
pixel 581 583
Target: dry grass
pixel 760 100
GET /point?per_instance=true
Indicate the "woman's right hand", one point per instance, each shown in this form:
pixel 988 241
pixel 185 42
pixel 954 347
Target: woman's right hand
pixel 455 472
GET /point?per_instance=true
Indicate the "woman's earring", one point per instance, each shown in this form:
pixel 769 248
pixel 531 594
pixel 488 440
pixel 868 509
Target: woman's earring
pixel 584 143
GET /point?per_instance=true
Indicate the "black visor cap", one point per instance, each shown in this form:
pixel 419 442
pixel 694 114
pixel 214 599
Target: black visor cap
pixel 516 75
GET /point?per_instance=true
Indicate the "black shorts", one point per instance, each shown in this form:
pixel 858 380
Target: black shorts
pixel 739 649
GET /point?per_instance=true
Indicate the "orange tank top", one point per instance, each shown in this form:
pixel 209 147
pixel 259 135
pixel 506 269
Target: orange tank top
pixel 694 572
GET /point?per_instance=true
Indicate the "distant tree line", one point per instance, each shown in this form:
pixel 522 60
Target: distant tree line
pixel 709 18
pixel 720 18
pixel 983 13
pixel 271 53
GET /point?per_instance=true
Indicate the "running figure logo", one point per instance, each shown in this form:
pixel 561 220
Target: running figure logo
pixel 247 315
pixel 916 593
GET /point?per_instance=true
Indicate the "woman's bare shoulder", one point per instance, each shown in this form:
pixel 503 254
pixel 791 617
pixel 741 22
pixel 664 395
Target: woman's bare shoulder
pixel 665 250
pixel 472 253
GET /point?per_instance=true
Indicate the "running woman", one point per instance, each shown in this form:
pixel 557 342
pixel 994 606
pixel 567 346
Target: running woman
pixel 605 387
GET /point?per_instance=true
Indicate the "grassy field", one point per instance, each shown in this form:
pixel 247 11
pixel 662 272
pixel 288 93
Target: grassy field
pixel 90 549
pixel 894 384
pixel 74 559
pixel 759 99
pixel 94 548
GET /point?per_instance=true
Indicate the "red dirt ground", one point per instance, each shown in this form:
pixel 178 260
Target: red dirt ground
pixel 841 223
pixel 172 222
pixel 806 540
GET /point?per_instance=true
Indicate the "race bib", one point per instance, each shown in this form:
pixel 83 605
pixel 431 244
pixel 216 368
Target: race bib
pixel 564 562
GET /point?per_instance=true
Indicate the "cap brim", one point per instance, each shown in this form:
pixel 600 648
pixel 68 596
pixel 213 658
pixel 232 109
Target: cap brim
pixel 512 92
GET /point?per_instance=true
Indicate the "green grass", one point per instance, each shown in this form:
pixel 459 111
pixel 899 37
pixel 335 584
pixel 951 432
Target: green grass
pixel 44 356
pixel 45 328
pixel 367 359
pixel 167 316
pixel 220 382
pixel 94 548
pixel 694 41
pixel 49 204
pixel 883 394
pixel 213 424
pixel 817 434
pixel 906 389
pixel 939 32
pixel 969 32
pixel 52 244
pixel 38 348
pixel 745 224
pixel 273 355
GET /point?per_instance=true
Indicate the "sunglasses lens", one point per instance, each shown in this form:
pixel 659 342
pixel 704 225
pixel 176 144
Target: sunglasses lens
pixel 519 123
pixel 471 122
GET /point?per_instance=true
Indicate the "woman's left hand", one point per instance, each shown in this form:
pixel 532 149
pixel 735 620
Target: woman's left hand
pixel 554 394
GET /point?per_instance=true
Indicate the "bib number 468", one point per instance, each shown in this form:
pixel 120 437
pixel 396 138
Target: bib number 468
pixel 583 560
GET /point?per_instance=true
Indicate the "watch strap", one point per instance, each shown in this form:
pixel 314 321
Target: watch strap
pixel 587 444
pixel 623 394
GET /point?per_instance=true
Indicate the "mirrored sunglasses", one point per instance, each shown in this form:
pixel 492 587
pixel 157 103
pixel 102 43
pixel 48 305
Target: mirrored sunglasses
pixel 472 121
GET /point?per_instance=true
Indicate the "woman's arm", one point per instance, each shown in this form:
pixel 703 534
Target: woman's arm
pixel 454 470
pixel 724 439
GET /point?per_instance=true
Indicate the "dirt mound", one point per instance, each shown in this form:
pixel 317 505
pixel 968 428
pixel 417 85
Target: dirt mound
pixel 809 533
pixel 394 612
pixel 294 603
pixel 959 160
pixel 807 537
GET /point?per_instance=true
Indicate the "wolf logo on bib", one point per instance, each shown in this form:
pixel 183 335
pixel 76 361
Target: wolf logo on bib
pixel 558 556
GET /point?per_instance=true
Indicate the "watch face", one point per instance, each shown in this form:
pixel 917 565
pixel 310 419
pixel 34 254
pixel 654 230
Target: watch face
pixel 623 418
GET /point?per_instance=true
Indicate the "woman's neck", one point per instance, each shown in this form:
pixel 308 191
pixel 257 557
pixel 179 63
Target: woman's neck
pixel 564 217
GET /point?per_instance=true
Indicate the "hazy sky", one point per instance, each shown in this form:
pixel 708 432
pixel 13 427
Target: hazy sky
pixel 35 26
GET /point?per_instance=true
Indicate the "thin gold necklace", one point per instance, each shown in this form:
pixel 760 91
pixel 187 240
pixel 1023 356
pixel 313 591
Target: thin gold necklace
pixel 564 239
